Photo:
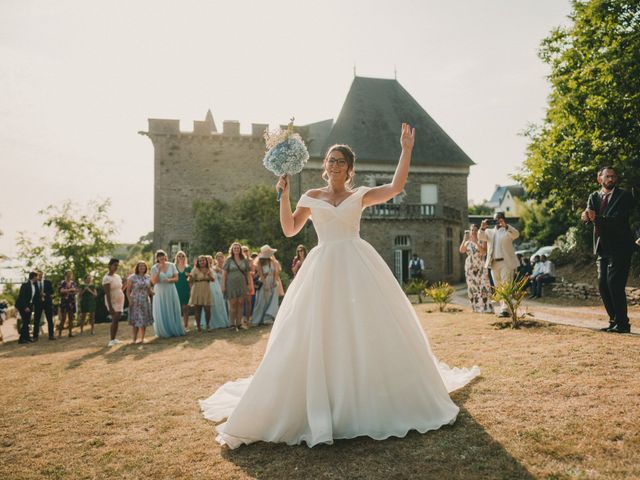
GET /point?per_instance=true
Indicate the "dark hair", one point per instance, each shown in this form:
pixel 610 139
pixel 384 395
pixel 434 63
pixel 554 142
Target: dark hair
pixel 137 270
pixel 113 261
pixel 607 167
pixel 498 215
pixel 32 275
pixel 526 260
pixel 349 156
pixel 303 248
pixel 160 253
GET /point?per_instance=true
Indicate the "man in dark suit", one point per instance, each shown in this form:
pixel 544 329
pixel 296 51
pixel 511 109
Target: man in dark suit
pixel 608 210
pixel 43 303
pixel 24 304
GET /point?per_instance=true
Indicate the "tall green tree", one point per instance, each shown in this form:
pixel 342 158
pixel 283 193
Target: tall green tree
pixel 253 217
pixel 75 240
pixel 593 116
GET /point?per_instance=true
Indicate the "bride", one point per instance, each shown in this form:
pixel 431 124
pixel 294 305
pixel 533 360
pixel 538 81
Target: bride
pixel 347 356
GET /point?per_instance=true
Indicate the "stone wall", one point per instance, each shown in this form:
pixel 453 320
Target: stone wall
pixel 587 291
pixel 205 164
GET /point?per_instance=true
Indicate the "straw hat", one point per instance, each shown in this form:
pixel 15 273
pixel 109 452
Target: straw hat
pixel 267 252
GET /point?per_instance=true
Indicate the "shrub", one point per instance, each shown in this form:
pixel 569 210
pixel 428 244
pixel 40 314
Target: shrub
pixel 441 294
pixel 414 287
pixel 512 294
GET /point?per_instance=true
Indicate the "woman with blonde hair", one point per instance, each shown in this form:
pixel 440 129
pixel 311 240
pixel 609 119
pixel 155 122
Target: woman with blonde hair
pixel 201 298
pixel 235 272
pixel 182 285
pixel 139 293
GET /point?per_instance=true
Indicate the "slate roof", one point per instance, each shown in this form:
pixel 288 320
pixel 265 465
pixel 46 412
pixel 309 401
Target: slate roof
pixel 500 191
pixel 370 122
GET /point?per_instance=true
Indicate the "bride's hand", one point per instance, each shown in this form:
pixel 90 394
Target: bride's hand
pixel 283 185
pixel 407 137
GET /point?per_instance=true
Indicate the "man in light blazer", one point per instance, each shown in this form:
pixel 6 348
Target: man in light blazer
pixel 501 256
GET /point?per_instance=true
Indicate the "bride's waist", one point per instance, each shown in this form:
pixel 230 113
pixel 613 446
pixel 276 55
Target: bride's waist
pixel 331 241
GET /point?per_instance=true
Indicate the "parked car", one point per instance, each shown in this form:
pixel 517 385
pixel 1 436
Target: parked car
pixel 543 251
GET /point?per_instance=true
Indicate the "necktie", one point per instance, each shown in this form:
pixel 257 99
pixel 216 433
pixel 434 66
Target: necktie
pixel 604 201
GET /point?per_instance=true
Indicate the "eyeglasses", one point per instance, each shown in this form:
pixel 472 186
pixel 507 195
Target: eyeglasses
pixel 341 162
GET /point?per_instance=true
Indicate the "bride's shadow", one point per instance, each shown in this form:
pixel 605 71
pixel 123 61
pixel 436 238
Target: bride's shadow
pixel 461 451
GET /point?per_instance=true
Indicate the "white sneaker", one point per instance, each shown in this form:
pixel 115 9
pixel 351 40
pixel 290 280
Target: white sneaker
pixel 113 342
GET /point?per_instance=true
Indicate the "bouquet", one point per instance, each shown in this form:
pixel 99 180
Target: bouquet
pixel 286 152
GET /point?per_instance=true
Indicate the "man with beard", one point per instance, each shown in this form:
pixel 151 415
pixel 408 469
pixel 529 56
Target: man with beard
pixel 608 210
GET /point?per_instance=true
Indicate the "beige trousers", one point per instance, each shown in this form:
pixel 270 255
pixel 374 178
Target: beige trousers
pixel 501 274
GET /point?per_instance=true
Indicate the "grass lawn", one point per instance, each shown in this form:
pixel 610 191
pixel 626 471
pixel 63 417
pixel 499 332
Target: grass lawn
pixel 552 402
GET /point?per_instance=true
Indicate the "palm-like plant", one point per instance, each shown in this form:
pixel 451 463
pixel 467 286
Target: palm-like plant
pixel 440 293
pixel 512 294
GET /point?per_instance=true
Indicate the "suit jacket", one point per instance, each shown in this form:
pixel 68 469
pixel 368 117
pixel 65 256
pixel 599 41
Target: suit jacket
pixel 613 223
pixel 24 297
pixel 45 295
pixel 508 252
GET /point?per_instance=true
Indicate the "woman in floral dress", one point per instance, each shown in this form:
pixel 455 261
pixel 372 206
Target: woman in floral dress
pixel 68 290
pixel 478 285
pixel 139 293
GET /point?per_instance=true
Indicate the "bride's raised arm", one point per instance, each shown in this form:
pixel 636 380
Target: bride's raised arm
pixel 291 223
pixel 386 192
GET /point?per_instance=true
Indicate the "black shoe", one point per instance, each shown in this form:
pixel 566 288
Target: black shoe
pixel 24 340
pixel 34 339
pixel 619 329
pixel 607 328
pixel 52 338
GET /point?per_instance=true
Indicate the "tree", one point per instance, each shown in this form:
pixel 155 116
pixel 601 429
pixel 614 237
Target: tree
pixel 77 241
pixel 543 222
pixel 214 229
pixel 480 209
pixel 252 216
pixel 594 106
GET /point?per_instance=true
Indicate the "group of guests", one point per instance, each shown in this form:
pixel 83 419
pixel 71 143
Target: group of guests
pixel 491 260
pixel 35 299
pixel 238 290
pixel 541 272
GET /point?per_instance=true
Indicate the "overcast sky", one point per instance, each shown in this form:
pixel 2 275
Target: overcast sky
pixel 79 78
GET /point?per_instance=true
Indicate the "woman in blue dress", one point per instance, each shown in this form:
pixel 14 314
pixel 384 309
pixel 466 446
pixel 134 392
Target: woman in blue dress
pixel 219 316
pixel 166 303
pixel 266 306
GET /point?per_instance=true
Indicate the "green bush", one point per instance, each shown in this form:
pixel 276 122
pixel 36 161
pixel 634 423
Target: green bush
pixel 512 294
pixel 441 294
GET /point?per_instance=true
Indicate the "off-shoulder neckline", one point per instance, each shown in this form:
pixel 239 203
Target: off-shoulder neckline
pixel 331 204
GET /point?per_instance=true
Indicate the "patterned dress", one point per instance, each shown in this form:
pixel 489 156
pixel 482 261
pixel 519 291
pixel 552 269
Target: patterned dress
pixel 478 285
pixel 67 300
pixel 140 305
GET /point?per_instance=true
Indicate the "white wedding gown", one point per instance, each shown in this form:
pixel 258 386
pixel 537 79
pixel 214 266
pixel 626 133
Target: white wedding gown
pixel 346 356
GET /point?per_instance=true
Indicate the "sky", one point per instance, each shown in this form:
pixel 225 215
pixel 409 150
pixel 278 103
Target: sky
pixel 80 78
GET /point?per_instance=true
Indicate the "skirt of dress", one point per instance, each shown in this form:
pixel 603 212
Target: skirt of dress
pixel 346 357
pixel 219 315
pixel 167 315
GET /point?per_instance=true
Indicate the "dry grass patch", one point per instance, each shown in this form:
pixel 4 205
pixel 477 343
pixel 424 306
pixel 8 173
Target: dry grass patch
pixel 552 402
